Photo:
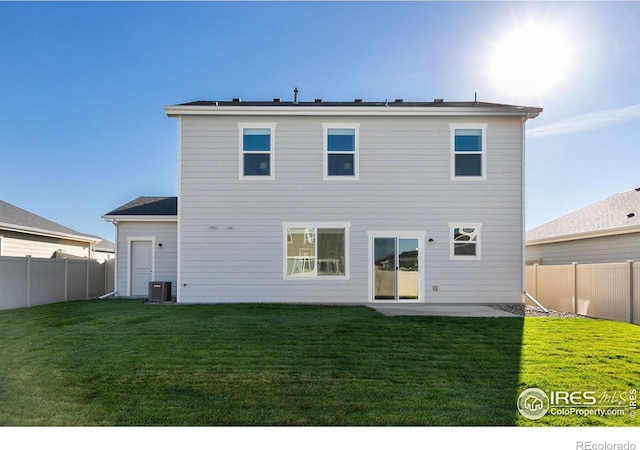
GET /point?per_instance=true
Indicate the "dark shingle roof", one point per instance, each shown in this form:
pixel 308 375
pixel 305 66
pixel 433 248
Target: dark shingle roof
pixel 18 218
pixel 613 213
pixel 148 206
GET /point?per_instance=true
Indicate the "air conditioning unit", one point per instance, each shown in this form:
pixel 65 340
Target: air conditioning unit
pixel 160 291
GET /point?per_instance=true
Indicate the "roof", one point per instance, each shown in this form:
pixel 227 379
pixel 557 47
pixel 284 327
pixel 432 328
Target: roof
pixel 105 246
pixel 17 219
pixel 617 214
pixel 276 105
pixel 147 206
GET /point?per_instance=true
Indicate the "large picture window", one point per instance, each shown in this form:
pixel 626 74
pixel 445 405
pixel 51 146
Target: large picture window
pixel 316 250
pixel 256 151
pixel 468 152
pixel 341 151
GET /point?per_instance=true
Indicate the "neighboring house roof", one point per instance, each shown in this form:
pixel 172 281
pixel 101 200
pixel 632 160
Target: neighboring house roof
pixel 437 106
pixel 105 246
pixel 617 214
pixel 17 219
pixel 146 208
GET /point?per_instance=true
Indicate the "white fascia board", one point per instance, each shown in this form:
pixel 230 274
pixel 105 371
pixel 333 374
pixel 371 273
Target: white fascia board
pixel 587 235
pixel 119 218
pixel 48 233
pixel 176 111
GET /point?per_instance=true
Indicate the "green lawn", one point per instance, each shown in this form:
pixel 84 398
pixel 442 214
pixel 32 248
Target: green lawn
pixel 123 362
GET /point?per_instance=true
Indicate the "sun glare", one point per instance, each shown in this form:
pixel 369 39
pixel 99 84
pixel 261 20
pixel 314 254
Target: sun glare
pixel 530 61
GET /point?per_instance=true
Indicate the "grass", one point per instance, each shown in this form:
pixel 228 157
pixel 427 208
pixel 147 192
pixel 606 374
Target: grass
pixel 120 363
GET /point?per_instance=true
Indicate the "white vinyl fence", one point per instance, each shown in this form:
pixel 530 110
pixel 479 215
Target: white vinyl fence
pixel 606 291
pixel 27 281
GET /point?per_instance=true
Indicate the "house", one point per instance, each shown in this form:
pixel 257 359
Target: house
pixel 341 202
pixel 104 250
pixel 26 234
pixel 607 231
pixel 146 244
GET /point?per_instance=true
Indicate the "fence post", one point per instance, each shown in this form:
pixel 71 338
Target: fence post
pixel 574 285
pixel 66 279
pixel 28 280
pixel 87 284
pixel 535 280
pixel 631 287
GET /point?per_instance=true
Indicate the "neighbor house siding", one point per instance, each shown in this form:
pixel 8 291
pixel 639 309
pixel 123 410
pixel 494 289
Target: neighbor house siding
pixel 20 244
pixel 165 257
pixel 597 250
pixel 231 233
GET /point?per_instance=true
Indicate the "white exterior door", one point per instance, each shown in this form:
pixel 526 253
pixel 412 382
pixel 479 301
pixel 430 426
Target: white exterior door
pixel 141 267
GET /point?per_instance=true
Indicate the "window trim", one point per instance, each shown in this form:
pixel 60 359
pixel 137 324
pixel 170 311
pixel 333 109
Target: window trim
pixel 483 153
pixel 475 225
pixel 312 224
pixel 325 151
pixel 272 128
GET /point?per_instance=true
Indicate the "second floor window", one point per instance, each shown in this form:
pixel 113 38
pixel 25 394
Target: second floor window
pixel 468 152
pixel 341 151
pixel 256 151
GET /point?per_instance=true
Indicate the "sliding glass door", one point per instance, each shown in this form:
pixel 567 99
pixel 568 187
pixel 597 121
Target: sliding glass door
pixel 396 268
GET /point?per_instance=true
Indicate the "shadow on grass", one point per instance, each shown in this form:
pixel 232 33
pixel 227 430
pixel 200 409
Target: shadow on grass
pixel 124 363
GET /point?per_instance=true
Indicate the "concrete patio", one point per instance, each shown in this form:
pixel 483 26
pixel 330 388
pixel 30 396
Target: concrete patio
pixel 441 310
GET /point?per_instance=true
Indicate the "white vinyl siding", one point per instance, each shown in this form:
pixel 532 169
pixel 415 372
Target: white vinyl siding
pixel 231 232
pixel 165 257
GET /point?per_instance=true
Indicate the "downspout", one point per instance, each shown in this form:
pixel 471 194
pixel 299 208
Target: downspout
pixel 524 246
pixel 524 240
pixel 115 264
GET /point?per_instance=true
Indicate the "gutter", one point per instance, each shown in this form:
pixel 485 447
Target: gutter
pixel 139 218
pixel 175 111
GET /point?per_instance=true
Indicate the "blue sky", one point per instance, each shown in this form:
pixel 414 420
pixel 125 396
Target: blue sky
pixel 83 86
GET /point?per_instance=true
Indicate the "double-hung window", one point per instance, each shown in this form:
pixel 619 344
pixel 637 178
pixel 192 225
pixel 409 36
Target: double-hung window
pixel 257 151
pixel 316 250
pixel 341 151
pixel 468 152
pixel 465 241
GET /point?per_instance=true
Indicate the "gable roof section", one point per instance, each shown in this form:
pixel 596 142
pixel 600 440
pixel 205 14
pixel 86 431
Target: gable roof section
pixel 146 208
pixel 17 219
pixel 319 107
pixel 617 214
